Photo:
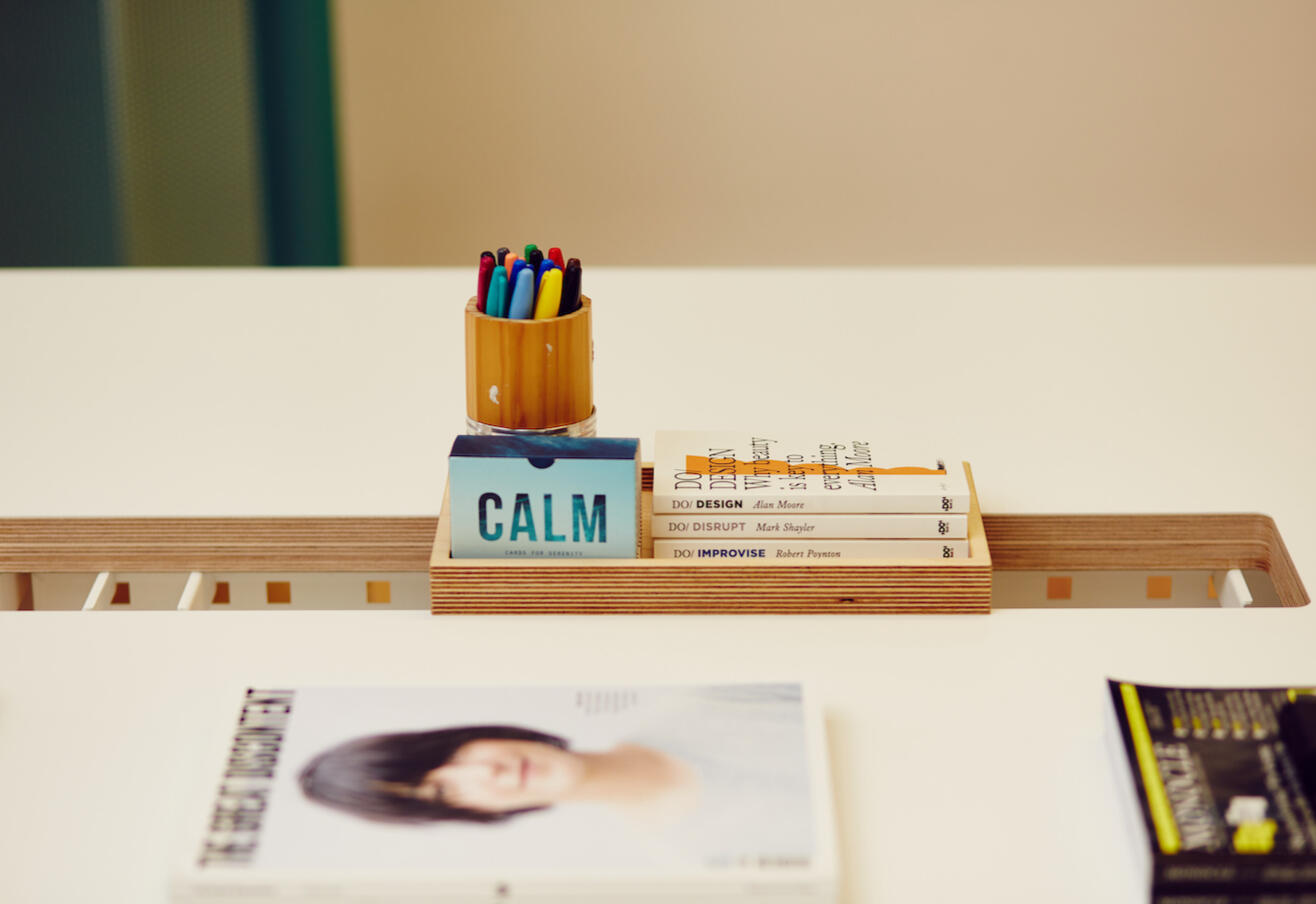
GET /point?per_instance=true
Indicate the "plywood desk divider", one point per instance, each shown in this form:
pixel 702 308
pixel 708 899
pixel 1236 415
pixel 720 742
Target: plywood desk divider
pixel 1021 543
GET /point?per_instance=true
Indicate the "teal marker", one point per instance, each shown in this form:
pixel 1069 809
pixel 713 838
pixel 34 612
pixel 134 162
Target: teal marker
pixel 496 306
pixel 523 296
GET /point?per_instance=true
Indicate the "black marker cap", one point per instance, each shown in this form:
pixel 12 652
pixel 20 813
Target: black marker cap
pixel 570 287
pixel 502 256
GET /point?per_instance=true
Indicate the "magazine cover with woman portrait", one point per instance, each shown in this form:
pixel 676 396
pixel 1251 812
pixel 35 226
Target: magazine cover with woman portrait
pixel 547 794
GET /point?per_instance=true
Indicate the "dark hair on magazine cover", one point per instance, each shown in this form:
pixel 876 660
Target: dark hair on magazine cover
pixel 364 776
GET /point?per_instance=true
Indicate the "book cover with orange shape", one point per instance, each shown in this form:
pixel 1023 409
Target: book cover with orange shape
pixel 773 474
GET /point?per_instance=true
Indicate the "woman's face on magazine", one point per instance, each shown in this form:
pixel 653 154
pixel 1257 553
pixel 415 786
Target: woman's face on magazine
pixel 495 776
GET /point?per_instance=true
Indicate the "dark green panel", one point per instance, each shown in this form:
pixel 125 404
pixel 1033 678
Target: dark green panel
pixel 186 127
pixel 294 72
pixel 57 202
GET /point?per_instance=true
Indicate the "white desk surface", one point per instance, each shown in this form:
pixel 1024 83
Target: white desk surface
pixel 967 752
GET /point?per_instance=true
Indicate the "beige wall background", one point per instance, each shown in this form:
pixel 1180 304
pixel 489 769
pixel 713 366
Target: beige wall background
pixel 830 133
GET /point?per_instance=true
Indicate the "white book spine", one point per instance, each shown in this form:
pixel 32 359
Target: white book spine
pixel 805 551
pixel 812 527
pixel 812 504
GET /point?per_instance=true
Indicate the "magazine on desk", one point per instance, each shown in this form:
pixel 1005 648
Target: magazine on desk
pixel 636 793
pixel 1221 787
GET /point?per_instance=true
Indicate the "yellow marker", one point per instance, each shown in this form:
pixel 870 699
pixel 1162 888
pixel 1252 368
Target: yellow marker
pixel 550 295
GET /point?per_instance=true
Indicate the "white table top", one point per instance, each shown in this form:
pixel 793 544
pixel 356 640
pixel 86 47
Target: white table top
pixel 338 392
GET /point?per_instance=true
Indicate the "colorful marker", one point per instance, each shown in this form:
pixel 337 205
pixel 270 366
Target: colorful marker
pixel 544 267
pixel 570 287
pixel 523 296
pixel 535 286
pixel 517 266
pixel 497 305
pixel 550 293
pixel 482 283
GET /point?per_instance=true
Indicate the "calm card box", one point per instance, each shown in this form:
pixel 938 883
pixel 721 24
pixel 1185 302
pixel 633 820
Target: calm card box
pixel 544 497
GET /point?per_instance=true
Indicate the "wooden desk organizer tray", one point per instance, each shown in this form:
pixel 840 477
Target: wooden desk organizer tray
pixel 649 585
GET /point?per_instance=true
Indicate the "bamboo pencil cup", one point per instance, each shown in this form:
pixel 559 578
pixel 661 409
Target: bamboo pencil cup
pixel 529 376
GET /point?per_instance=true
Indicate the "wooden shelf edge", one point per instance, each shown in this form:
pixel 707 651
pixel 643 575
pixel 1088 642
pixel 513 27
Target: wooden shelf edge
pixel 1017 542
pixel 1215 541
pixel 215 544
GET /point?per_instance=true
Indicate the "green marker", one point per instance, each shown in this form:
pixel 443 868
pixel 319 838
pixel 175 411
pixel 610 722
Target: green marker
pixel 528 249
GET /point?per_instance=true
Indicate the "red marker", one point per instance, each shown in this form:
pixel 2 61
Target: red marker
pixel 487 264
pixel 555 255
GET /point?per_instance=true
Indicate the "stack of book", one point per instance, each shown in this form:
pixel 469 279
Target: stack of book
pixel 766 497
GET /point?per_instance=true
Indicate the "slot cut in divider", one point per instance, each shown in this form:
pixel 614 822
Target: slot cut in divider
pixel 187 600
pixel 101 592
pixel 1234 593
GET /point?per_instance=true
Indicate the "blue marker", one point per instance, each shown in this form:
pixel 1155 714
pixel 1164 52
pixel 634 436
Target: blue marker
pixel 496 304
pixel 523 296
pixel 544 267
pixel 517 267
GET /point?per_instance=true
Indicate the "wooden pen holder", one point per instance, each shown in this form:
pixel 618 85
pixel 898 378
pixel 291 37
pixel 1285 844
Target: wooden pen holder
pixel 530 376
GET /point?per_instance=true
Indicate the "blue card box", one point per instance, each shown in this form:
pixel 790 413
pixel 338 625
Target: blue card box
pixel 544 497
